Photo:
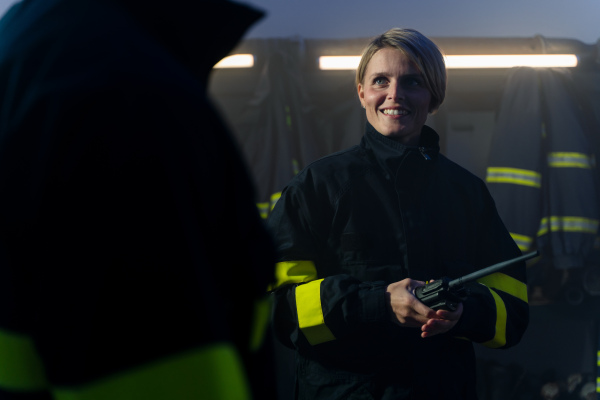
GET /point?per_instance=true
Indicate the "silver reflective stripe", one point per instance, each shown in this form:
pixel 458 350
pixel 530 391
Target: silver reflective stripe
pixel 568 224
pixel 570 160
pixel 514 176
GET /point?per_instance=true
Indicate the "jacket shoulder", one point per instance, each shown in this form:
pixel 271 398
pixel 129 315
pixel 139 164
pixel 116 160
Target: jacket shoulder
pixel 331 172
pixel 458 174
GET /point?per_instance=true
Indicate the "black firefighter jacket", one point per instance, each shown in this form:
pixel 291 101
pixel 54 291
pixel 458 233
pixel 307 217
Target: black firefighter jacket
pixel 353 222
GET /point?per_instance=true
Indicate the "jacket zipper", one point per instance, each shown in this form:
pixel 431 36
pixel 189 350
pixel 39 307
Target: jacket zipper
pixel 425 155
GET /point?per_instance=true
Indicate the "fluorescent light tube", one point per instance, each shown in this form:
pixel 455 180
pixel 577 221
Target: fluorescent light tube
pixel 236 61
pixel 469 61
pixel 511 60
pixel 338 62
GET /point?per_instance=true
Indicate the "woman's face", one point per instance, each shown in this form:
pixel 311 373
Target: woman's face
pixel 394 94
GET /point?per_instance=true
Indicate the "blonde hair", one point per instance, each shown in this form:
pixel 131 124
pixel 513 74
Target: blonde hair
pixel 419 49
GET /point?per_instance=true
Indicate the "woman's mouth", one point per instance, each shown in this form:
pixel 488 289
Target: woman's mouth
pixel 391 111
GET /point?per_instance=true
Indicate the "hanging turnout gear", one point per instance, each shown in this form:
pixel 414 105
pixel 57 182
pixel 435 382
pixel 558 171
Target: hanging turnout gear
pixel 542 165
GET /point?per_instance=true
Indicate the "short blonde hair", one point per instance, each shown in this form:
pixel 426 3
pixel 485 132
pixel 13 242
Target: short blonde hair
pixel 419 49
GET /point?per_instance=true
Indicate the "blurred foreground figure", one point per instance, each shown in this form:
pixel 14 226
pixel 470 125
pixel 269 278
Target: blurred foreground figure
pixel 131 248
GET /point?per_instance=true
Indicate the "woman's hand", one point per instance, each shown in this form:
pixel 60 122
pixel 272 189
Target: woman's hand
pixel 408 311
pixel 442 323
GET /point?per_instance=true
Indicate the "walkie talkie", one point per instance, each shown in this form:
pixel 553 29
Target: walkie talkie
pixel 445 294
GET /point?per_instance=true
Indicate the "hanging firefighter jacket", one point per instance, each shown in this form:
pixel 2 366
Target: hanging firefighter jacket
pixel 542 167
pixel 277 121
pixel 282 129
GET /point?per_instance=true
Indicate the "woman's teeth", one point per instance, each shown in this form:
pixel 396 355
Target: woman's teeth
pixel 395 112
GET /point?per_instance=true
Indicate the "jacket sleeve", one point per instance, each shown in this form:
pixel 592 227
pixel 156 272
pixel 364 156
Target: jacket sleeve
pixel 310 307
pixel 496 312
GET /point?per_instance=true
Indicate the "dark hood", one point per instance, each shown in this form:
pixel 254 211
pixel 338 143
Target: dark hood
pixel 199 33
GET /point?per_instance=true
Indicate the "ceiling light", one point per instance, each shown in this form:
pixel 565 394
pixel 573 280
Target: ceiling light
pixel 236 61
pixel 511 60
pixel 338 62
pixel 469 61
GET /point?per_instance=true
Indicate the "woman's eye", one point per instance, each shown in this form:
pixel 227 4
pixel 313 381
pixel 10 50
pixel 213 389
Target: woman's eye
pixel 413 82
pixel 379 81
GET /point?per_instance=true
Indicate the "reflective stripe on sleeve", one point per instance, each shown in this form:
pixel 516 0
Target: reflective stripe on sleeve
pixel 570 160
pixel 499 339
pixel 20 366
pixel 568 224
pixel 310 313
pixel 514 176
pixel 294 272
pixel 507 284
pixel 212 372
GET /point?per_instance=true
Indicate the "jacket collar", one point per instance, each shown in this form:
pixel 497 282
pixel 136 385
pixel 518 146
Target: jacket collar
pixel 387 147
pixel 389 153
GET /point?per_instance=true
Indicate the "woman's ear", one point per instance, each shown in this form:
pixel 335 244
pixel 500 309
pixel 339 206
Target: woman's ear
pixel 433 106
pixel 361 94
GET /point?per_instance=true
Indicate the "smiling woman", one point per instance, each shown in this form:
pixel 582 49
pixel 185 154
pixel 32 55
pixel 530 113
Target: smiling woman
pixel 419 50
pixel 400 79
pixel 395 96
pixel 371 223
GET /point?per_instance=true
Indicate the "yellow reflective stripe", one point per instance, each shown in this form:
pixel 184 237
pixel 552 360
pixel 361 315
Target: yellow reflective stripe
pixel 263 209
pixel 295 166
pixel 499 339
pixel 568 224
pixel 570 160
pixel 274 198
pixel 20 366
pixel 288 116
pixel 524 242
pixel 294 272
pixel 260 323
pixel 507 284
pixel 514 175
pixel 214 372
pixel 598 378
pixel 310 313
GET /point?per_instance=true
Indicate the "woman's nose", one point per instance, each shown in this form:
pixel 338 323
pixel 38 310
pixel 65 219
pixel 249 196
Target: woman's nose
pixel 395 92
